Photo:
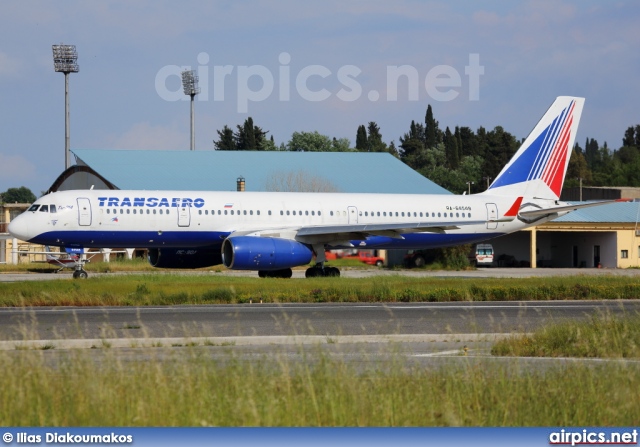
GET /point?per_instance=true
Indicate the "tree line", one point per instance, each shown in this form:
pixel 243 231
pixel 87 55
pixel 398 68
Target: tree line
pixel 460 159
pixel 601 166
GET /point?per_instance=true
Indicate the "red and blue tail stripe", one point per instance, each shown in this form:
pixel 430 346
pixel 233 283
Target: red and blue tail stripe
pixel 545 153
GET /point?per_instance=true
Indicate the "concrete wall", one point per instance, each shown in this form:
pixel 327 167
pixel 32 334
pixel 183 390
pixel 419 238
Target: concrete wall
pixel 627 240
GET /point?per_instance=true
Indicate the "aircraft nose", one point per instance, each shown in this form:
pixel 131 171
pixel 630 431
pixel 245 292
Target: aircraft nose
pixel 19 228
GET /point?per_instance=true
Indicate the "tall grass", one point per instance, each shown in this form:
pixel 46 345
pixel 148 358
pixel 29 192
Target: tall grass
pixel 165 289
pixel 600 336
pixel 85 388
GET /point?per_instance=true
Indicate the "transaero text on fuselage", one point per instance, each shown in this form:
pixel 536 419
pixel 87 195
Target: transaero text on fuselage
pixel 152 202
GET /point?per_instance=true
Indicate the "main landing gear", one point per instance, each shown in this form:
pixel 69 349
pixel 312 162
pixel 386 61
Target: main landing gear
pixel 319 270
pixel 80 272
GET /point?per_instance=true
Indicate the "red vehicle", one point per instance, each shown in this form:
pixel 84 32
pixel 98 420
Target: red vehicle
pixel 370 258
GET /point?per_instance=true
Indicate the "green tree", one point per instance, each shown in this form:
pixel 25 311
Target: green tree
pixel 431 129
pixel 246 136
pixel 499 148
pixel 361 139
pixel 412 145
pixel 250 137
pixel 392 149
pixel 451 148
pixel 310 142
pixel 577 169
pixel 467 142
pixel 341 144
pixel 374 138
pixel 592 154
pixel 18 195
pixel 226 141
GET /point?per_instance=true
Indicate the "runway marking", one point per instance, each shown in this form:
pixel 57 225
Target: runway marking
pixel 453 352
pixel 524 305
pixel 243 341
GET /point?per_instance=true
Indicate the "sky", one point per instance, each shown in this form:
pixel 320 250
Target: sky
pixel 326 66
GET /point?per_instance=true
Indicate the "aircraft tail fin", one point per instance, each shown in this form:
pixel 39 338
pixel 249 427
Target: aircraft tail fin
pixel 538 168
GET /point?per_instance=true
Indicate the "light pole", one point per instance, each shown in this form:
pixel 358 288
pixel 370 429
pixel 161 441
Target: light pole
pixel 190 87
pixel 580 178
pixel 469 187
pixel 488 179
pixel 65 60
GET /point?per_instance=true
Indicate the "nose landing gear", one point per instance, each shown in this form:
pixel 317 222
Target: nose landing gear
pixel 80 274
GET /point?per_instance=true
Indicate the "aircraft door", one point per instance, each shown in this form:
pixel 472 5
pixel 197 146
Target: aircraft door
pixel 352 215
pixel 184 216
pixel 84 211
pixel 492 215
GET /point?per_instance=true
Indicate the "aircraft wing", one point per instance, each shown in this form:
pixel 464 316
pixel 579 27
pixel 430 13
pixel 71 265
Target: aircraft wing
pixel 48 253
pixel 394 230
pixel 566 208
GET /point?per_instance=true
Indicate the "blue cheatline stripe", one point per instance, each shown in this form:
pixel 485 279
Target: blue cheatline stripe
pixel 213 239
pixel 424 240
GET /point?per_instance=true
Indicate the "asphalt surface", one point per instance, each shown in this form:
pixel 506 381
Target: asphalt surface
pixel 367 335
pixel 269 320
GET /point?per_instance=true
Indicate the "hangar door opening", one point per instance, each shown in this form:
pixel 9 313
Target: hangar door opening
pixel 580 249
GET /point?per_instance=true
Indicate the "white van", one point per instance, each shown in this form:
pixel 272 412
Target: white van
pixel 484 255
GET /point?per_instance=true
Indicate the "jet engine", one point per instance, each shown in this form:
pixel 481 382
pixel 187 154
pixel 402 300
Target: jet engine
pixel 263 253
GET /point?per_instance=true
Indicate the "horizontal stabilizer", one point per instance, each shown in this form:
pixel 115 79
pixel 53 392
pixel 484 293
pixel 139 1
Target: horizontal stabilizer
pixel 566 208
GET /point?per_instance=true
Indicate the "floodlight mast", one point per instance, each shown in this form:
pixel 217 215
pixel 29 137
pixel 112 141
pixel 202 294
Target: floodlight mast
pixel 65 60
pixel 190 87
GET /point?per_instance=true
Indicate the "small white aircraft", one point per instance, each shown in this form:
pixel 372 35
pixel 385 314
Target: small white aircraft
pixel 71 258
pixel 272 232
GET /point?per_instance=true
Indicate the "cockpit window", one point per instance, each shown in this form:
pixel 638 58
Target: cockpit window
pixel 34 208
pixel 44 209
pixel 52 208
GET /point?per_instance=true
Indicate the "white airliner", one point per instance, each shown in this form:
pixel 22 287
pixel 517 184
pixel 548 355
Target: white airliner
pixel 272 232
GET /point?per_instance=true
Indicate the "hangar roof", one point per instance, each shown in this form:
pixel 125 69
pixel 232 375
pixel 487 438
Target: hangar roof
pixel 218 170
pixel 620 212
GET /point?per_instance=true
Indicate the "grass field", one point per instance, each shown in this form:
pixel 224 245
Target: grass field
pixel 161 288
pixel 187 387
pixel 198 391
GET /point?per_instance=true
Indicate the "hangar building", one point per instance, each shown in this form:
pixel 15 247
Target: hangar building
pixel 219 171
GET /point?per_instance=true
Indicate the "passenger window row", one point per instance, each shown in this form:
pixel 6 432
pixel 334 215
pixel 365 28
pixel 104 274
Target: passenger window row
pixel 337 213
pixel 407 214
pixel 52 209
pixel 135 211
